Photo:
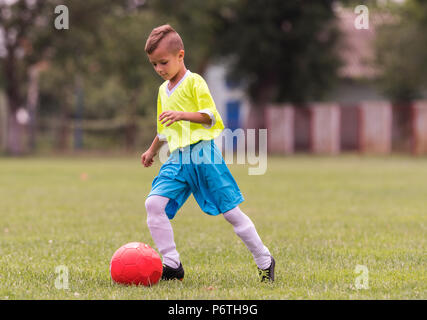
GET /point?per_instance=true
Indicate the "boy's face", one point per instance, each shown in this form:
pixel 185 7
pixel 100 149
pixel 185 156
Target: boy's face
pixel 166 63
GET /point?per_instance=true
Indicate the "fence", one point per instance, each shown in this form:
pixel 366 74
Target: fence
pixel 325 129
pixel 64 134
pixel 419 127
pixel 373 127
pixel 281 129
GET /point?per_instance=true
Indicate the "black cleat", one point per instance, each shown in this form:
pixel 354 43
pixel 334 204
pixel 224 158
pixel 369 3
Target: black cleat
pixel 172 274
pixel 267 274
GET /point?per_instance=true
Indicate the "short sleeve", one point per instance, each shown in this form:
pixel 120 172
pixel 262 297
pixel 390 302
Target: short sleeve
pixel 205 102
pixel 211 115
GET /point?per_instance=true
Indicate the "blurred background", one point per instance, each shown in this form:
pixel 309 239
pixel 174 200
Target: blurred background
pixel 324 77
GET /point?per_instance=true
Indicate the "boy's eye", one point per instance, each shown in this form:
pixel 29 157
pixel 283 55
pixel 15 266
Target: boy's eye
pixel 162 63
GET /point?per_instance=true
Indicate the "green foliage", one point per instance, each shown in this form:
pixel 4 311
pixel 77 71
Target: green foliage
pixel 401 51
pixel 105 51
pixel 284 50
pixel 195 21
pixel 256 37
pixel 122 56
pixel 20 22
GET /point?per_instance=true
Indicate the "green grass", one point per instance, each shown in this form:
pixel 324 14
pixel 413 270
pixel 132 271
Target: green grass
pixel 319 216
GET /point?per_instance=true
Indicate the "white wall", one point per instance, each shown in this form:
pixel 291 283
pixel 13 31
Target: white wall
pixel 215 77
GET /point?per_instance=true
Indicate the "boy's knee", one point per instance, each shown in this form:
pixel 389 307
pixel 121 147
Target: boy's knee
pixel 150 204
pixel 155 205
pixel 237 218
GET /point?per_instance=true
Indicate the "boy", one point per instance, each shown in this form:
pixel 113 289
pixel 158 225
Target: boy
pixel 189 122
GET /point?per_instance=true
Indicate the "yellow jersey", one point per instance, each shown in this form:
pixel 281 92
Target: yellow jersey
pixel 190 94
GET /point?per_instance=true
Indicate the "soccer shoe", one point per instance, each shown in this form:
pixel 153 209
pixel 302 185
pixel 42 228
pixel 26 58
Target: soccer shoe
pixel 267 274
pixel 172 274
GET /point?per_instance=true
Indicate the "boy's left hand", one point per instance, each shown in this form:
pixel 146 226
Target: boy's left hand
pixel 171 116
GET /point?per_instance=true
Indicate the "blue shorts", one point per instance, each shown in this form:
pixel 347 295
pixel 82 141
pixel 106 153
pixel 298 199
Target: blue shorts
pixel 200 169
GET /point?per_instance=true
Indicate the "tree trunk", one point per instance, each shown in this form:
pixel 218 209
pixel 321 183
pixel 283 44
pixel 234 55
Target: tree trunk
pixel 15 131
pixel 256 120
pixel 262 95
pixel 64 131
pixel 3 124
pixel 32 101
pixel 16 134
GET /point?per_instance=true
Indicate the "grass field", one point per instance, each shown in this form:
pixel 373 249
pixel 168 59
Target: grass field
pixel 319 216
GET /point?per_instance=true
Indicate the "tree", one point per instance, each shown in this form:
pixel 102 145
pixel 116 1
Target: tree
pixel 401 51
pixel 105 50
pixel 283 50
pixel 18 21
pixel 30 40
pixel 123 58
pixel 196 21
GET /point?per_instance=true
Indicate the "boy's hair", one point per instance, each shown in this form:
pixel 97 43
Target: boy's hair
pixel 158 34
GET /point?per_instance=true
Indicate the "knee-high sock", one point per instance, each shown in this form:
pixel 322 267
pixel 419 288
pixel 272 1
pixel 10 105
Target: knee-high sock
pixel 245 229
pixel 161 230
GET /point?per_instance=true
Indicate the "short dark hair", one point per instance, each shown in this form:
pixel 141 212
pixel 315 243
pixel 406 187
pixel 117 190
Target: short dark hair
pixel 158 34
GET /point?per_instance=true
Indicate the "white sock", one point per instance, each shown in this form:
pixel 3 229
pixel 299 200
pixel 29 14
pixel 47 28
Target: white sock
pixel 161 230
pixel 245 229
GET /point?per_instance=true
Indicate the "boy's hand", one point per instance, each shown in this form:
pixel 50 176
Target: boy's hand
pixel 171 116
pixel 147 158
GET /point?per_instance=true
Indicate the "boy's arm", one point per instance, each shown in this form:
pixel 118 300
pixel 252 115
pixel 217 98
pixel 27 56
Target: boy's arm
pixel 156 145
pixel 147 156
pixel 170 117
pixel 197 117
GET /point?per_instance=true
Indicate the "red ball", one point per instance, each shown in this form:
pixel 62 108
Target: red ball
pixel 136 263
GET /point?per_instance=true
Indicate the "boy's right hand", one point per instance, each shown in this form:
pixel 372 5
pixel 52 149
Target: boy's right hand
pixel 147 158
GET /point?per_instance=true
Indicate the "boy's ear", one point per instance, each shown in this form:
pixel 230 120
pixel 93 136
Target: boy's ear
pixel 181 54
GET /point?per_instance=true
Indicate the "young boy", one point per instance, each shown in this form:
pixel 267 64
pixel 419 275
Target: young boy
pixel 189 122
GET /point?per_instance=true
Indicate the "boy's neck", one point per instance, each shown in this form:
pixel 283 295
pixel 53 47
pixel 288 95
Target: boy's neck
pixel 177 77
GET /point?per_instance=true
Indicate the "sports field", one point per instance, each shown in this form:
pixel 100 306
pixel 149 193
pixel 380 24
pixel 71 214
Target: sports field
pixel 320 217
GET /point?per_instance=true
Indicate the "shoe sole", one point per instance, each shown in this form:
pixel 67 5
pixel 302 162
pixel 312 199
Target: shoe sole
pixel 273 265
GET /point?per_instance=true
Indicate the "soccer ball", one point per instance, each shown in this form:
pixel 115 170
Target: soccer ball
pixel 136 263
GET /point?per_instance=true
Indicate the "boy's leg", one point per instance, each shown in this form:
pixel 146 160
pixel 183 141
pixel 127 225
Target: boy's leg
pixel 245 229
pixel 161 230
